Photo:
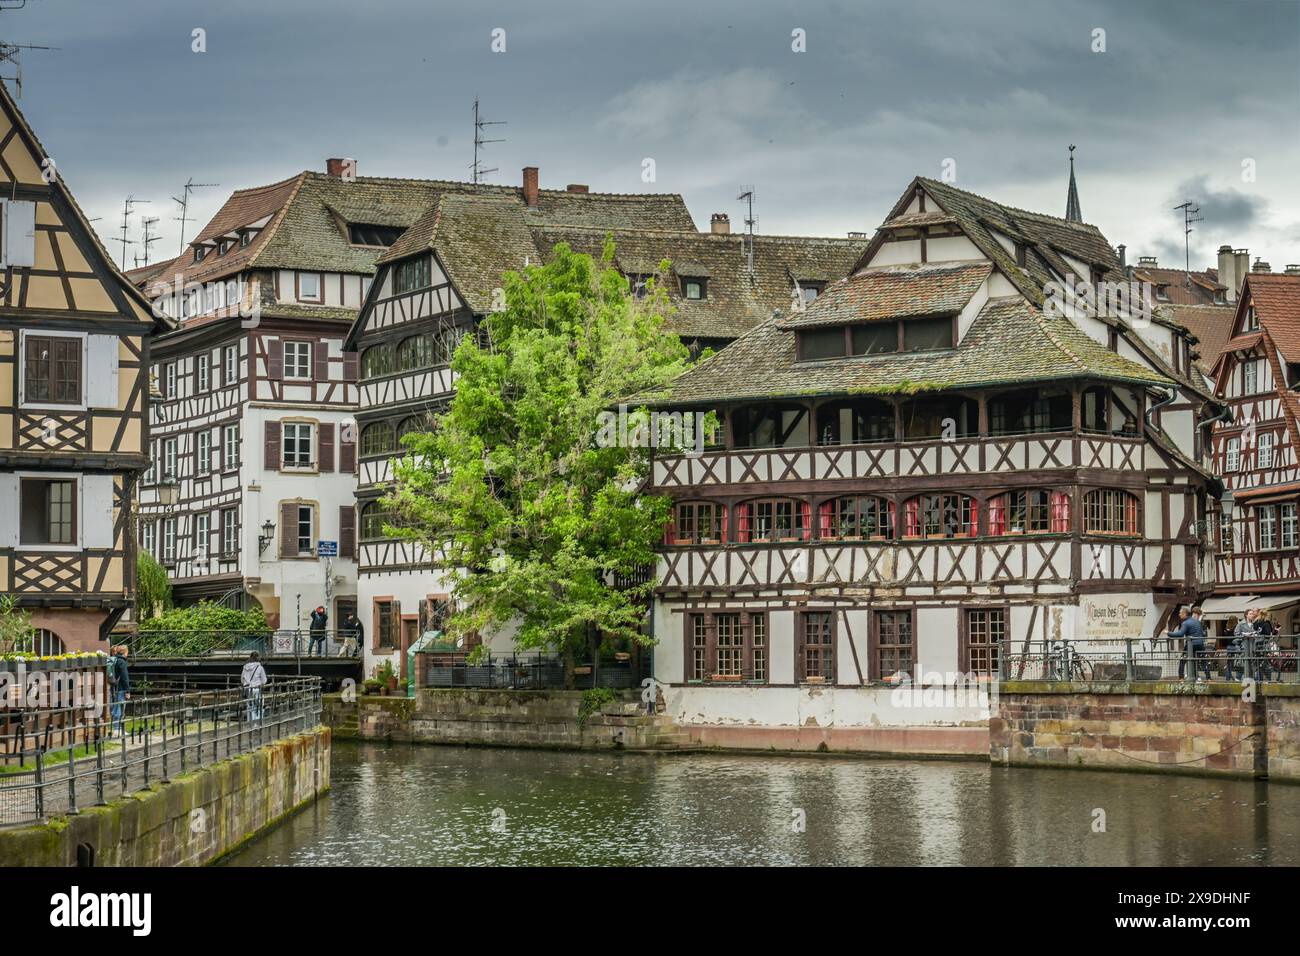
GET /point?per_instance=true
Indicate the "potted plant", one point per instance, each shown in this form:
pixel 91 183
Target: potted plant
pixel 387 675
pixel 371 685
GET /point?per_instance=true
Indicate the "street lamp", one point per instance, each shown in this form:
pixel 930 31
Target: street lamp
pixel 168 490
pixel 268 532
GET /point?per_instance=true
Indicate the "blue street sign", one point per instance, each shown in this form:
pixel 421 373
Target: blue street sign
pixel 327 549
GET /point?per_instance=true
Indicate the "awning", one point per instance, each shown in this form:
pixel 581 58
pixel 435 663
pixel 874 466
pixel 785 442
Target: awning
pixel 1235 605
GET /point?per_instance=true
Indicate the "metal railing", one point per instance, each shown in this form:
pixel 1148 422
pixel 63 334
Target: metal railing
pixel 1265 659
pixel 281 643
pixel 531 672
pixel 145 740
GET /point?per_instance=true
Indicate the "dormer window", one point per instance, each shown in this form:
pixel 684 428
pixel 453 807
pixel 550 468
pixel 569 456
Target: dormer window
pixel 1251 322
pixel 224 247
pixel 810 290
pixel 1219 297
pixel 694 287
pixel 1162 293
pixel 877 338
pixel 199 253
pixel 361 234
pixel 1022 254
pixel 637 283
pixel 245 238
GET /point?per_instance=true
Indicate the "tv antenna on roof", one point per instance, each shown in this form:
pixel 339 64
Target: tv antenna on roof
pixel 184 203
pixel 9 51
pixel 747 196
pixel 477 171
pixel 1191 214
pixel 149 238
pixel 126 217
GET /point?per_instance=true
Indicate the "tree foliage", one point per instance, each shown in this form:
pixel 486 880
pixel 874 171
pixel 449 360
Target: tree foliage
pixel 206 616
pixel 527 512
pixel 16 631
pixel 153 589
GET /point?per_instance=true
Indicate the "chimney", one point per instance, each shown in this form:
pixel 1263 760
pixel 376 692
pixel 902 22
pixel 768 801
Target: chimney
pixel 720 224
pixel 1120 251
pixel 1147 262
pixel 530 187
pixel 1293 269
pixel 341 168
pixel 1228 272
pixel 1241 265
pixel 577 188
pixel 1261 266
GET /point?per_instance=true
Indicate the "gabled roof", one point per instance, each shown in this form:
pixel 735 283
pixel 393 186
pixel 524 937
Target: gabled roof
pixel 60 186
pixel 1046 237
pixel 1211 324
pixel 734 302
pixel 895 292
pixel 304 219
pixel 1010 342
pixel 1183 288
pixel 1276 298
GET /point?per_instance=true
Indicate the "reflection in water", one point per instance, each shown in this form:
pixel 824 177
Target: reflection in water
pixel 410 805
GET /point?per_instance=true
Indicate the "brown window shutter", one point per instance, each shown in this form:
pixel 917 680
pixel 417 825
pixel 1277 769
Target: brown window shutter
pixel 349 366
pixel 320 354
pixel 347 531
pixel 275 360
pixel 288 529
pixel 347 457
pixel 271 459
pixel 325 448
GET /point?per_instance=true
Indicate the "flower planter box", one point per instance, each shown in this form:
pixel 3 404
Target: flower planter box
pixel 727 678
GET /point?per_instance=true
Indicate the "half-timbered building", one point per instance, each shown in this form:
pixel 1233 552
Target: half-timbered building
pixel 74 404
pixel 942 458
pixel 437 282
pixel 1255 452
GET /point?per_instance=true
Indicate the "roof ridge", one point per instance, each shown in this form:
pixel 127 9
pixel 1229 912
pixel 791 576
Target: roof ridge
pixel 268 232
pixel 698 234
pixel 495 187
pixel 269 186
pixel 1016 209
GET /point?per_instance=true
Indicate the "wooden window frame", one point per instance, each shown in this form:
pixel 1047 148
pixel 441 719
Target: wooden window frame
pixel 230 457
pixel 319 298
pixel 285 464
pixel 875 645
pixel 968 620
pixel 229 531
pixel 884 506
pixel 51 379
pixel 296 344
pixel 687 514
pixel 968 521
pixel 752 653
pixel 802 646
pixel 27 484
pixel 1103 502
pixel 229 369
pixel 801 513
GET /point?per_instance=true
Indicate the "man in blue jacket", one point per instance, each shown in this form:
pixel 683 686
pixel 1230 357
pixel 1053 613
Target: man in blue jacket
pixel 1192 631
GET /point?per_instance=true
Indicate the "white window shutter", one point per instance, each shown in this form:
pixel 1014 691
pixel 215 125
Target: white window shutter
pixel 9 511
pixel 96 511
pixel 19 232
pixel 101 366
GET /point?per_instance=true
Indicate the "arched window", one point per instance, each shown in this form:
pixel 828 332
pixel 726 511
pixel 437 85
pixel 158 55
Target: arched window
pixel 377 438
pixel 373 518
pixel 773 519
pixel 1110 511
pixel 415 352
pixel 697 522
pixel 377 360
pixel 445 343
pixel 843 423
pixel 409 425
pixel 868 518
pixel 942 515
pixel 1031 511
pixel 48 644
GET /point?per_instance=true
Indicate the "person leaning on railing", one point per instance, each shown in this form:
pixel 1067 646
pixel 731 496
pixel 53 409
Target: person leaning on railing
pixel 252 678
pixel 119 685
pixel 1242 647
pixel 1192 631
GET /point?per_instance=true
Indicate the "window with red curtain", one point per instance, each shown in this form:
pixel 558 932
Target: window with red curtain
pixel 1060 512
pixel 912 518
pixel 941 515
pixel 1130 514
pixel 805 520
pixel 1110 511
pixel 826 520
pixel 744 523
pixel 998 515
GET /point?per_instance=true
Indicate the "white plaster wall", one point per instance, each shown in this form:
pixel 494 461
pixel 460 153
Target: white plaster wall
pixel 822 706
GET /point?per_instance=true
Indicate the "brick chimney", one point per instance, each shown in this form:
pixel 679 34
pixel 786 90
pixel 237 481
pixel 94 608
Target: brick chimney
pixel 341 168
pixel 1261 266
pixel 1147 262
pixel 1232 269
pixel 720 224
pixel 530 187
pixel 577 188
pixel 1293 269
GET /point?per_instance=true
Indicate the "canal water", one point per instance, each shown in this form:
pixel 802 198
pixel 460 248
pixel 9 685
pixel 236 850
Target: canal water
pixel 420 805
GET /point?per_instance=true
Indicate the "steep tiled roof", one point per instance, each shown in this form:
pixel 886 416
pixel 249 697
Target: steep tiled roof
pixel 309 214
pixel 893 293
pixel 1009 342
pixel 1277 303
pixel 734 302
pixel 1183 288
pixel 1211 324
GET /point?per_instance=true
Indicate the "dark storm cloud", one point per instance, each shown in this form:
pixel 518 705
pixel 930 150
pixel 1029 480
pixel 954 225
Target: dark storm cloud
pixel 712 92
pixel 1229 208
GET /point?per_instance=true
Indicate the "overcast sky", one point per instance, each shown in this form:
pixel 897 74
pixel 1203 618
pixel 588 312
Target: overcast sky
pixel 1182 95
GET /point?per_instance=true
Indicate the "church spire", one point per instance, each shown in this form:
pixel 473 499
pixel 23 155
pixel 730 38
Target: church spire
pixel 1072 212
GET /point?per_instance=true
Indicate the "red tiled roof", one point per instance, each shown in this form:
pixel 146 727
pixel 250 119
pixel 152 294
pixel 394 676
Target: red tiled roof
pixel 1276 299
pixel 1183 288
pixel 1211 324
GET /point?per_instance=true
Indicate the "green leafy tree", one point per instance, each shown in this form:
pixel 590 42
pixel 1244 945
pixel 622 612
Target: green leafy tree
pixel 16 631
pixel 207 616
pixel 526 509
pixel 153 589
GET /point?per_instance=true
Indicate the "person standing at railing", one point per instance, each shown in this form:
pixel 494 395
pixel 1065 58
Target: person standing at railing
pixel 119 684
pixel 353 634
pixel 1263 644
pixel 252 678
pixel 1192 631
pixel 319 623
pixel 1242 648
